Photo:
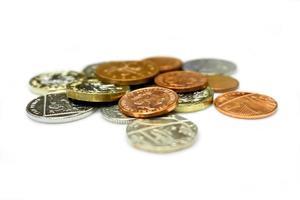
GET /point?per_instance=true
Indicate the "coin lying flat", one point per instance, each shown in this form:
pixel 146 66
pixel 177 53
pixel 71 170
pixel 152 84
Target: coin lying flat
pixel 210 66
pixel 166 64
pixel 90 70
pixel 112 113
pixel 56 108
pixel 93 90
pixel 195 101
pixel 221 83
pixel 182 81
pixel 245 105
pixel 53 82
pixel 127 72
pixel 148 102
pixel 162 134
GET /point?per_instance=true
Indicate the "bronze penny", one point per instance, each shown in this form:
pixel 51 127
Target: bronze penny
pixel 182 81
pixel 166 64
pixel 245 105
pixel 221 83
pixel 127 72
pixel 148 102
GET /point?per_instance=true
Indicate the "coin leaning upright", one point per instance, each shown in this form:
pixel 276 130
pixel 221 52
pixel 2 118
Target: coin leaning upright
pixel 162 134
pixel 166 64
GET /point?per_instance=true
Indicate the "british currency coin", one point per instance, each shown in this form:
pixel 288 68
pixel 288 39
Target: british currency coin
pixel 246 105
pixel 148 102
pixel 182 81
pixel 56 108
pixel 93 90
pixel 53 81
pixel 127 72
pixel 221 83
pixel 210 66
pixel 90 70
pixel 112 114
pixel 162 134
pixel 166 64
pixel 195 101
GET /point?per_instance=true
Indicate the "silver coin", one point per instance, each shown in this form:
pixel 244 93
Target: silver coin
pixel 112 113
pixel 90 70
pixel 56 108
pixel 211 66
pixel 162 134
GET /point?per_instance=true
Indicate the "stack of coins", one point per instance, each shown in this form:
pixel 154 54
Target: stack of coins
pixel 147 95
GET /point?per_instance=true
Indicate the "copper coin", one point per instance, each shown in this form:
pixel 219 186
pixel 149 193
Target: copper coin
pixel 148 102
pixel 182 81
pixel 127 72
pixel 220 83
pixel 245 105
pixel 166 64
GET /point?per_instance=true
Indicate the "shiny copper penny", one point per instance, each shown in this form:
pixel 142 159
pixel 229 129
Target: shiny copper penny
pixel 166 64
pixel 245 105
pixel 148 102
pixel 182 81
pixel 127 72
pixel 221 83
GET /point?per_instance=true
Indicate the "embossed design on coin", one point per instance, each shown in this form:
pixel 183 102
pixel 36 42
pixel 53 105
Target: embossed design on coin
pixel 93 90
pixel 162 134
pixel 113 114
pixel 220 83
pixel 53 82
pixel 210 66
pixel 148 102
pixel 166 64
pixel 182 81
pixel 90 70
pixel 56 108
pixel 127 72
pixel 245 105
pixel 195 101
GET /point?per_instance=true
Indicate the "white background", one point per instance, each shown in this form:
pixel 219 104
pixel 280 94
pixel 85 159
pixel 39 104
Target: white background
pixel 91 159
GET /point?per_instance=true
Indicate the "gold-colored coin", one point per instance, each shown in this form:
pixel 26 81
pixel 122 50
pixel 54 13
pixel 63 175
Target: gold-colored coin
pixel 93 90
pixel 166 64
pixel 127 72
pixel 195 101
pixel 53 82
pixel 221 83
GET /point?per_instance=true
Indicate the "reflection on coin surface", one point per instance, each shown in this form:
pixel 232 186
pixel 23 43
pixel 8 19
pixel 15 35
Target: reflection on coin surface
pixel 162 134
pixel 166 64
pixel 53 82
pixel 148 102
pixel 245 105
pixel 93 90
pixel 182 81
pixel 90 70
pixel 112 113
pixel 195 101
pixel 221 83
pixel 127 72
pixel 210 66
pixel 56 108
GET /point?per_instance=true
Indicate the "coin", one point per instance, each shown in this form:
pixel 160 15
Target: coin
pixel 148 102
pixel 127 72
pixel 210 66
pixel 166 64
pixel 53 82
pixel 245 105
pixel 93 90
pixel 182 81
pixel 56 108
pixel 221 83
pixel 195 101
pixel 90 70
pixel 162 134
pixel 112 113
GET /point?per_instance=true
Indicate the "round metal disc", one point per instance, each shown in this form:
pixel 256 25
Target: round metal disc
pixel 112 113
pixel 90 70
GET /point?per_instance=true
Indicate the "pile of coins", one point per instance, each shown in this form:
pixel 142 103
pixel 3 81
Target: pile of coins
pixel 146 95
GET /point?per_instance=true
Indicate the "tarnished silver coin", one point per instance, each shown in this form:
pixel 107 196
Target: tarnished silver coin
pixel 53 82
pixel 57 108
pixel 195 101
pixel 162 134
pixel 211 66
pixel 90 70
pixel 112 113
